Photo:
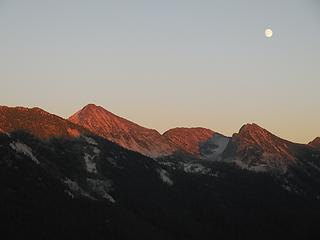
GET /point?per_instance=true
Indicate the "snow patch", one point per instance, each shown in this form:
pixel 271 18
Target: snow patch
pixel 90 164
pixel 89 160
pixel 75 188
pixel 253 168
pixel 191 168
pixel 70 194
pixel 195 168
pixel 72 185
pixel 90 141
pixel 96 151
pixel 168 164
pixel 101 188
pixel 164 176
pixel 24 149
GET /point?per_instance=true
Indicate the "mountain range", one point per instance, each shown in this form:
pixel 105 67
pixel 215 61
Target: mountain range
pixel 96 175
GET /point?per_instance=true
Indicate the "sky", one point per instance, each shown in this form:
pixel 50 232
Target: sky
pixel 167 63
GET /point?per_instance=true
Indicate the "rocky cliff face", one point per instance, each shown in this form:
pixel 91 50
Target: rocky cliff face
pixel 315 143
pixel 189 139
pixel 37 122
pixel 123 132
pixel 255 147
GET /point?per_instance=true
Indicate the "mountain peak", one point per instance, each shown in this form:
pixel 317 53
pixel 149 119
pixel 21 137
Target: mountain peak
pixel 256 146
pixel 91 106
pixel 255 133
pixel 317 139
pixel 251 127
pixel 37 122
pixel 189 139
pixel 315 143
pixel 191 130
pixel 122 131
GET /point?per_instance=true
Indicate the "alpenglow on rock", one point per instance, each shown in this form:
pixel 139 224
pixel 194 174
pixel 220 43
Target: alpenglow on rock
pixel 123 132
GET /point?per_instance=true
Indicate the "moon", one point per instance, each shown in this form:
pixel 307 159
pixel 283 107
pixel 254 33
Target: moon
pixel 268 32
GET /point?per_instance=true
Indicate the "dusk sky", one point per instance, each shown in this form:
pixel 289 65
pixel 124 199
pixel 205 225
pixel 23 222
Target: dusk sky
pixel 167 63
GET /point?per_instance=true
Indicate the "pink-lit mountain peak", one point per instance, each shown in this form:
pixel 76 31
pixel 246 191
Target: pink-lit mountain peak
pixel 254 133
pixel 121 131
pixel 189 139
pixel 37 122
pixel 253 140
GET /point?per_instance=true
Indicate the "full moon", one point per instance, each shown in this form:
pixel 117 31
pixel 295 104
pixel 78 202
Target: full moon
pixel 268 32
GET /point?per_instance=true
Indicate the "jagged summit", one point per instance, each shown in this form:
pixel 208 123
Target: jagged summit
pixel 92 107
pixel 250 127
pixel 95 112
pixel 315 143
pixel 257 134
pixel 122 131
pixel 255 146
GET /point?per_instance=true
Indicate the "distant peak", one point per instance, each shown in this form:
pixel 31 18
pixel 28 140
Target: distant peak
pixel 189 139
pixel 251 127
pixel 91 106
pixel 186 129
pixel 37 122
pixel 252 131
pixel 315 142
pixel 24 109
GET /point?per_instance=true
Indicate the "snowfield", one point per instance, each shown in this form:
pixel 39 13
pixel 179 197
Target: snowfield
pixel 90 141
pixel 24 149
pixel 164 176
pixel 74 188
pixel 89 160
pixel 191 168
pixel 101 188
pixel 253 168
pixel 90 164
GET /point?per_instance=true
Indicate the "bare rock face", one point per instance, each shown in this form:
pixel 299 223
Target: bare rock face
pixel 255 147
pixel 37 122
pixel 315 143
pixel 189 139
pixel 123 132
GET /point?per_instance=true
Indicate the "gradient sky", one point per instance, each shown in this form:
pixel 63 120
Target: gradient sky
pixel 167 63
